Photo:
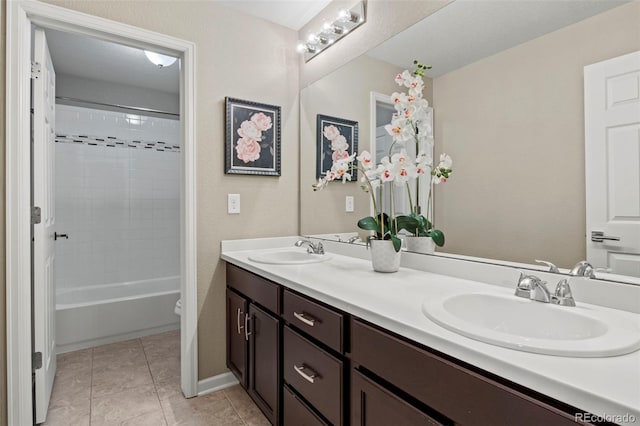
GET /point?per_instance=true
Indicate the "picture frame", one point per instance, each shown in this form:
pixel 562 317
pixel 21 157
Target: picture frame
pixel 252 138
pixel 335 138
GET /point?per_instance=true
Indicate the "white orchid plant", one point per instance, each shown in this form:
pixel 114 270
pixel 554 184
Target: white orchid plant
pixel 409 124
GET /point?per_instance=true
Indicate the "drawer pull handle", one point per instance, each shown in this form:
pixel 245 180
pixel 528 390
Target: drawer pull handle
pixel 305 318
pixel 308 377
pixel 247 333
pixel 240 327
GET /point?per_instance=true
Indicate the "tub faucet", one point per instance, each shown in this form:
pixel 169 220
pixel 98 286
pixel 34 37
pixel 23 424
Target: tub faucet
pixel 583 269
pixel 313 248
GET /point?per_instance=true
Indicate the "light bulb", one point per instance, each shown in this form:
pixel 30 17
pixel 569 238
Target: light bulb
pixel 160 60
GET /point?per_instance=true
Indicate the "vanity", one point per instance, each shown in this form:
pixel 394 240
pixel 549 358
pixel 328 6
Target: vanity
pixel 334 343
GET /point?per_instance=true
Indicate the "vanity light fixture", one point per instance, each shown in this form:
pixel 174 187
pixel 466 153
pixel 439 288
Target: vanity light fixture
pixel 332 31
pixel 160 60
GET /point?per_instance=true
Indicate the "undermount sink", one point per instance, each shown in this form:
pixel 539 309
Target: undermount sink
pixel 530 326
pixel 289 257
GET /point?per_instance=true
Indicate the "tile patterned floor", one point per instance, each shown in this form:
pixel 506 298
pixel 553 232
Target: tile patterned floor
pixel 136 383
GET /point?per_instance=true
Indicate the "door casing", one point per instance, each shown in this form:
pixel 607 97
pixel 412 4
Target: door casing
pixel 21 15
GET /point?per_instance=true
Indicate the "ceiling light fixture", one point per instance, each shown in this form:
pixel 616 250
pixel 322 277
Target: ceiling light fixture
pixel 332 31
pixel 161 61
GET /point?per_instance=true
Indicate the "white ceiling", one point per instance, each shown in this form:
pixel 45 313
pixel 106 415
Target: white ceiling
pixel 101 60
pixel 88 57
pixel 292 14
pixel 468 30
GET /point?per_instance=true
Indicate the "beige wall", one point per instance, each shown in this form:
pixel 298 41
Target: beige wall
pixel 514 125
pixel 244 57
pixel 345 94
pixel 385 18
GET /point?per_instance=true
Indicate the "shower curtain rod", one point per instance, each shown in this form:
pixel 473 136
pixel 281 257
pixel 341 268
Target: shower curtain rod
pixel 133 108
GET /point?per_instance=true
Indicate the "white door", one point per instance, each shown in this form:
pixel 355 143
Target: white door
pixel 612 156
pixel 44 250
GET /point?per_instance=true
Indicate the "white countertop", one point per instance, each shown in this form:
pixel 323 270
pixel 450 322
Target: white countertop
pixel 602 386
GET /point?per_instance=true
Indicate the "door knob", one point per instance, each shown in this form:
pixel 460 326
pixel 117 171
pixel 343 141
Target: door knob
pixel 56 236
pixel 599 237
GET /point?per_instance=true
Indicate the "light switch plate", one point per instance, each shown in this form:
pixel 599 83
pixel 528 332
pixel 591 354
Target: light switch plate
pixel 233 203
pixel 349 204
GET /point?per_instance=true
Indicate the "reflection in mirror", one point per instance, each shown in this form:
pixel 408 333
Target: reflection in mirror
pixel 508 94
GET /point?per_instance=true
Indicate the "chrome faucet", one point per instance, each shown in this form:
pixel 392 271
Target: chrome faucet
pixel 313 248
pixel 583 269
pixel 533 288
pixel 552 268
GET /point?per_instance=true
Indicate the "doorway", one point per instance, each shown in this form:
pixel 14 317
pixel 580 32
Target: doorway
pixel 20 18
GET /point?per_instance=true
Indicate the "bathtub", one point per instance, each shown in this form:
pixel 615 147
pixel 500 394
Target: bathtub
pixel 97 315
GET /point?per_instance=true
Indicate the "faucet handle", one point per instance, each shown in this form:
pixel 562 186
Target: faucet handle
pixel 552 267
pixel 525 285
pixel 563 295
pixel 583 269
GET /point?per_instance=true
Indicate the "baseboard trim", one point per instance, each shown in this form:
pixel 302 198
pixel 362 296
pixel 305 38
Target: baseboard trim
pixel 216 383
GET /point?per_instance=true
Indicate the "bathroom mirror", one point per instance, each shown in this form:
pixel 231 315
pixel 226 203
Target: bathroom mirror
pixel 507 90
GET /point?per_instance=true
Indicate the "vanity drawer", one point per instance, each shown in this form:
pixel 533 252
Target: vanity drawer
pixel 322 323
pixel 256 288
pixel 314 374
pixel 463 395
pixel 297 413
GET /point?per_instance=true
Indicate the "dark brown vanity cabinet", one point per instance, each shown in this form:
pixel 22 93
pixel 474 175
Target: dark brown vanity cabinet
pixel 443 389
pixel 305 363
pixel 254 338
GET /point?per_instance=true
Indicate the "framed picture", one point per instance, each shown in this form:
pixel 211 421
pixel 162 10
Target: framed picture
pixel 336 138
pixel 252 138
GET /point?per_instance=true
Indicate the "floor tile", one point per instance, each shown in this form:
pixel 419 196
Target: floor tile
pixel 137 383
pixel 201 411
pixel 118 407
pixel 107 382
pixel 119 354
pixel 257 420
pixel 71 384
pixel 241 402
pixel 150 419
pixel 165 369
pixel 71 414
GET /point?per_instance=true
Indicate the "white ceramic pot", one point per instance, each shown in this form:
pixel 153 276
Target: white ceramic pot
pixel 424 245
pixel 384 257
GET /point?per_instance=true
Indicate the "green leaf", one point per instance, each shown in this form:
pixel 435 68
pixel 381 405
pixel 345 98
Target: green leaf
pixel 407 222
pixel 438 237
pixel 369 223
pixel 422 225
pixel 397 243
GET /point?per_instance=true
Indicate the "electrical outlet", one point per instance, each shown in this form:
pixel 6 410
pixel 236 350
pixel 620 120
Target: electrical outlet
pixel 233 203
pixel 349 204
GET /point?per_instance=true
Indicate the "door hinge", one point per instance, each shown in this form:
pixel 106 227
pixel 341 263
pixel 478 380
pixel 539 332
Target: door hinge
pixel 36 70
pixel 37 361
pixel 36 215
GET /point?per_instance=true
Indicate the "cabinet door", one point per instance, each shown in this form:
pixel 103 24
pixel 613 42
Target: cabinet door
pixel 236 339
pixel 264 365
pixel 373 405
